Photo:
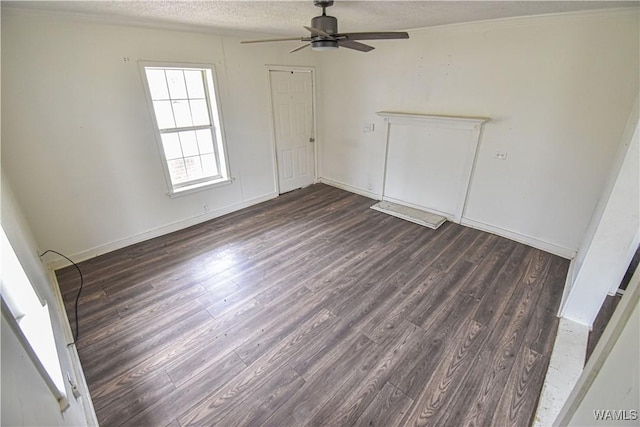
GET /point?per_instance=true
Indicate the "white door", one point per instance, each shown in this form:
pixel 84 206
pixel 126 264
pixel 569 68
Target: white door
pixel 292 98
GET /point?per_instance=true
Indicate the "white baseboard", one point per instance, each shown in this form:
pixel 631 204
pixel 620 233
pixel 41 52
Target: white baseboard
pixel 350 188
pixel 160 231
pixel 76 366
pixel 512 235
pixel 521 238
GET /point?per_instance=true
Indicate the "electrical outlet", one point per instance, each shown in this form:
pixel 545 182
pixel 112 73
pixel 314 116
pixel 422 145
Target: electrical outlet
pixel 501 155
pixel 368 127
pixel 205 208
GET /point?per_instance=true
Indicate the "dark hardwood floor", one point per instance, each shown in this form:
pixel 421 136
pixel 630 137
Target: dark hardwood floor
pixel 312 309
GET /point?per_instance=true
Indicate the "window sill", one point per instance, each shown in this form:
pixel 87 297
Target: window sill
pixel 183 191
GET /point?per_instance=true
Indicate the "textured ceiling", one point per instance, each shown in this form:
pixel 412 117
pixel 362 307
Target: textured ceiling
pixel 285 18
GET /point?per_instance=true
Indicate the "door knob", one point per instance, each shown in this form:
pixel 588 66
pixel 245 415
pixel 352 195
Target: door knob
pixel 312 139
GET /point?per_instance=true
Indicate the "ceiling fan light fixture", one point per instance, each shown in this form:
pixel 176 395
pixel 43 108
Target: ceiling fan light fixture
pixel 324 34
pixel 324 45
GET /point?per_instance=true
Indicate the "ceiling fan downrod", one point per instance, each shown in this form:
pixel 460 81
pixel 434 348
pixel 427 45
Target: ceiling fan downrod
pixel 324 4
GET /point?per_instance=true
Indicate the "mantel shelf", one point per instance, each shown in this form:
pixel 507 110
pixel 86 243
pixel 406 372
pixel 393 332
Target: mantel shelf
pixel 433 117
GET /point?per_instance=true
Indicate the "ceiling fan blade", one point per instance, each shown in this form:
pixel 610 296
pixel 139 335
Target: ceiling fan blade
pixel 374 36
pixel 355 45
pixel 300 48
pixel 317 32
pixel 274 40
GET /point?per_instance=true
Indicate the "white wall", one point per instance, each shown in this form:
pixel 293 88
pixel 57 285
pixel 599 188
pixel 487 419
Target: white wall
pixel 26 399
pixel 77 136
pixel 612 237
pixel 558 90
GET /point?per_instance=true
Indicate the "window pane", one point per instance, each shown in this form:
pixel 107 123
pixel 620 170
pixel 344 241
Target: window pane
pixel 199 112
pixel 177 171
pixel 189 143
pixel 205 142
pixel 195 87
pixel 182 113
pixel 171 145
pixel 157 84
pixel 209 165
pixel 164 115
pixel 194 168
pixel 185 116
pixel 177 87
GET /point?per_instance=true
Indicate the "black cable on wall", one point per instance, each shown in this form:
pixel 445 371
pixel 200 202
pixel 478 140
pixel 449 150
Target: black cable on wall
pixel 77 332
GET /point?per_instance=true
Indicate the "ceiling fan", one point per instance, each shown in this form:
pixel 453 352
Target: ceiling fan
pixel 325 36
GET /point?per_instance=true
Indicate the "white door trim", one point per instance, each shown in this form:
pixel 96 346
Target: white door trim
pixel 299 69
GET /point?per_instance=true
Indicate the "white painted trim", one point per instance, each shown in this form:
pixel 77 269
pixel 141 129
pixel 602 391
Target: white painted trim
pixel 78 373
pixel 208 185
pixel 216 125
pixel 272 131
pixel 160 231
pixel 451 122
pixel 605 345
pixel 385 161
pixel 473 125
pixel 472 173
pixel 350 188
pixel 521 238
pixel 293 68
pixel 60 395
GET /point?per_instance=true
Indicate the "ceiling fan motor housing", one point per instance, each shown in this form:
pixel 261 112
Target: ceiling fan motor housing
pixel 328 24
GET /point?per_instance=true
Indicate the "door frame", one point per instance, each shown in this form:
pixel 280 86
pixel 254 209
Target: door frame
pixel 274 147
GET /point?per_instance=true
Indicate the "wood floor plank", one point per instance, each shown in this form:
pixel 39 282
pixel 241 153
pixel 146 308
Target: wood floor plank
pixel 265 400
pixel 544 323
pixel 444 382
pixel 217 405
pixel 313 309
pixel 317 390
pixel 351 399
pixel 165 409
pixel 135 400
pixel 491 369
pixel 409 294
pixel 388 408
pixel 138 370
pixel 514 408
pixel 116 359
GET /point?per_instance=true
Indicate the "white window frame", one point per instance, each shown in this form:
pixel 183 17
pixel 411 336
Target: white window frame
pixel 28 316
pixel 215 116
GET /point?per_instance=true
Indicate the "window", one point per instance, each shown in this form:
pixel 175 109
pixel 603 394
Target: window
pixel 187 119
pixel 29 319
